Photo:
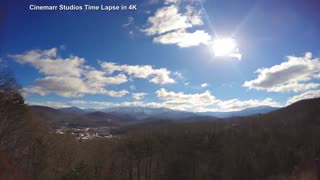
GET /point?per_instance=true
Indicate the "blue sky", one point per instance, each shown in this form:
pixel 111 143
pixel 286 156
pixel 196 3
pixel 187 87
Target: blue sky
pixel 165 54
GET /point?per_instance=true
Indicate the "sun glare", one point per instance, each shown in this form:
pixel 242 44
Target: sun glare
pixel 224 47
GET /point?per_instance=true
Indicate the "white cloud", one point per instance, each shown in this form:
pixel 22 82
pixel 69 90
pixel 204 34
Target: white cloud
pixel 157 76
pixel 151 2
pixel 49 63
pixel 63 86
pixel 294 87
pixel 204 85
pixel 236 54
pixel 307 95
pixel 138 96
pixel 68 77
pixel 237 105
pixel 206 102
pixel 83 103
pixel 194 15
pixel 71 77
pixel 294 75
pixel 170 24
pixel 167 19
pixel 105 104
pixel 184 39
pixel 171 1
pixel 50 104
pixel 181 98
pixel 112 93
pixel 186 102
pixel 70 87
pixel 99 79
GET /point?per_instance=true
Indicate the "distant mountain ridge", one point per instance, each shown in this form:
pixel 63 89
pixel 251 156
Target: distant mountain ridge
pixel 74 116
pixel 142 113
pixel 73 109
pixel 245 112
pixel 105 117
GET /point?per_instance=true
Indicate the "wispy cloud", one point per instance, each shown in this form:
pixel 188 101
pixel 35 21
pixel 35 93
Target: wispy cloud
pixel 130 22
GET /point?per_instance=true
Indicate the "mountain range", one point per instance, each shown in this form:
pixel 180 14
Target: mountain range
pixel 245 112
pixel 74 116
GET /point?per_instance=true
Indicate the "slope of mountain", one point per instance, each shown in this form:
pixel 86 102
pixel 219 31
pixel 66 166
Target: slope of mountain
pixel 304 114
pixel 141 113
pixel 245 112
pixel 308 109
pixel 55 115
pixel 73 109
pixel 74 117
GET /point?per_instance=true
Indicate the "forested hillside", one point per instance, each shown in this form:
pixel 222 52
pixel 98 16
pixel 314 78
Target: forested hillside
pixel 281 145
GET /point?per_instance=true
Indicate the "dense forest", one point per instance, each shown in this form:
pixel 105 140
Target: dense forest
pixel 280 145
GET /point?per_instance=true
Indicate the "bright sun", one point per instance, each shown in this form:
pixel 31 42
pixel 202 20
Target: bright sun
pixel 224 47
